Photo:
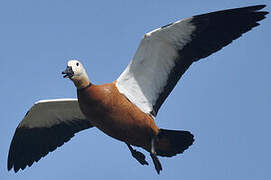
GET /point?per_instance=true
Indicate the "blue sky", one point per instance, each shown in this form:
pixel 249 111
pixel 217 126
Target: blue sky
pixel 224 99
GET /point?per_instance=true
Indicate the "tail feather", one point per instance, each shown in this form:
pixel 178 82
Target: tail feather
pixel 170 142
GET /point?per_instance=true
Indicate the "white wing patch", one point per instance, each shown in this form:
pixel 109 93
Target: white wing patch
pixel 147 74
pixel 55 100
pixel 46 113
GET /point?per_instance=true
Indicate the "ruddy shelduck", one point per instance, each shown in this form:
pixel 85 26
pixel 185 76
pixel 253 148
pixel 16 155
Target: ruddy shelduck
pixel 126 108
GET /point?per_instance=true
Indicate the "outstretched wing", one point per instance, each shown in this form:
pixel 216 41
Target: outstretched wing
pixel 46 126
pixel 167 52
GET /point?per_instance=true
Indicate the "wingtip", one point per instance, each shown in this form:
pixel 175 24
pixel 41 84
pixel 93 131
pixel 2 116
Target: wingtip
pixel 256 7
pixel 260 6
pixel 262 15
pixel 9 162
pixel 9 168
pixel 16 168
pixel 265 12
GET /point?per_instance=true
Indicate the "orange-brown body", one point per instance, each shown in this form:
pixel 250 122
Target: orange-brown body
pixel 115 115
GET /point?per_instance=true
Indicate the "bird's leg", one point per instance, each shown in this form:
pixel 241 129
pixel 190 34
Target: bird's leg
pixel 154 157
pixel 140 157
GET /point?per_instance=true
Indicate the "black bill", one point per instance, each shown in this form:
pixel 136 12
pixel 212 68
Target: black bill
pixel 68 72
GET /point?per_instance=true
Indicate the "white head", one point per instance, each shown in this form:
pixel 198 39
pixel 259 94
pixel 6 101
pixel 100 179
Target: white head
pixel 76 72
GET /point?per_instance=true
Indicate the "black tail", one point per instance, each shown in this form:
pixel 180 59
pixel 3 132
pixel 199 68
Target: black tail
pixel 170 142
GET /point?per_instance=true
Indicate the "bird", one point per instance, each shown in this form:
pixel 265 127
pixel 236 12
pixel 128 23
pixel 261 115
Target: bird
pixel 126 108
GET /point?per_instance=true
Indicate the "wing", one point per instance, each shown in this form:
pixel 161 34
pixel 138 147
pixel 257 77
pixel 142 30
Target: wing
pixel 46 126
pixel 166 53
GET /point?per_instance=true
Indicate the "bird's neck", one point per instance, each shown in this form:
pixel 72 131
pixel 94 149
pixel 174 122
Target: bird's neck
pixel 81 82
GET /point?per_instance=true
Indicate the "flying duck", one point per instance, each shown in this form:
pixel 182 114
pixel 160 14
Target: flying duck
pixel 126 108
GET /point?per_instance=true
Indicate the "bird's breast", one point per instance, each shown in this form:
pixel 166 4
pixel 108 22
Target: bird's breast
pixel 115 115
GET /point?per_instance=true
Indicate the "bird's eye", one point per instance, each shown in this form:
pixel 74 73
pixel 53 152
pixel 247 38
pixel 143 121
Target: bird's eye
pixel 77 64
